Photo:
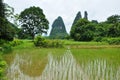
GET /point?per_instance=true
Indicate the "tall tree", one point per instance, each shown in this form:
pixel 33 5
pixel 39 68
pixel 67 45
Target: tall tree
pixel 83 30
pixel 114 26
pixel 6 29
pixel 58 29
pixel 2 17
pixel 113 19
pixel 2 9
pixel 85 15
pixel 78 16
pixel 33 21
pixel 9 12
pixel 2 14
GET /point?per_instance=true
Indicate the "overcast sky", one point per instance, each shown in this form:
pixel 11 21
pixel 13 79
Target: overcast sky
pixel 67 9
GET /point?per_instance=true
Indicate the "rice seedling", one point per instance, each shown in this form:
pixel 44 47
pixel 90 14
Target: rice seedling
pixel 65 67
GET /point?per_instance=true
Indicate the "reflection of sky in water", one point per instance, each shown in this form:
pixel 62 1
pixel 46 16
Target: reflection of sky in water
pixel 66 68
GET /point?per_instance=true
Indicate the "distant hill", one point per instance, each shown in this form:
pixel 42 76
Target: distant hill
pixel 58 29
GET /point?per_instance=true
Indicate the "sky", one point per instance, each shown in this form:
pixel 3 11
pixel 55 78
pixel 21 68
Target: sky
pixel 67 9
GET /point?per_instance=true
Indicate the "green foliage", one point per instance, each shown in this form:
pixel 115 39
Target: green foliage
pixel 2 9
pixel 58 29
pixel 68 37
pixel 114 30
pixel 54 43
pixel 2 41
pixel 9 11
pixel 77 28
pixel 2 68
pixel 6 29
pixel 22 35
pixel 94 21
pixel 114 41
pixel 42 42
pixel 2 28
pixel 114 26
pixel 83 30
pixel 101 29
pixel 7 48
pixel 113 19
pixel 33 21
pixel 16 42
pixel 98 39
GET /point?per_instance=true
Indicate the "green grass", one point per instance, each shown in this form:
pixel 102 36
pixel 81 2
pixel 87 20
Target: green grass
pixel 112 55
pixel 71 42
pixel 82 54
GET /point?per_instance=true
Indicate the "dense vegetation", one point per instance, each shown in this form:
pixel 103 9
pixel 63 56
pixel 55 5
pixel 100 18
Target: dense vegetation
pixel 40 41
pixel 33 21
pixel 85 30
pixel 7 31
pixel 3 35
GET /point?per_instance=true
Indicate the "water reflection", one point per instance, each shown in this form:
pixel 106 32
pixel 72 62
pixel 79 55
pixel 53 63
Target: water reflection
pixel 65 68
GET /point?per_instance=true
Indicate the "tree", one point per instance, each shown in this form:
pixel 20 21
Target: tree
pixel 22 35
pixel 78 16
pixel 85 15
pixel 9 11
pixel 33 21
pixel 94 21
pixel 114 30
pixel 83 30
pixel 58 29
pixel 2 17
pixel 101 29
pixel 113 19
pixel 114 26
pixel 2 9
pixel 6 29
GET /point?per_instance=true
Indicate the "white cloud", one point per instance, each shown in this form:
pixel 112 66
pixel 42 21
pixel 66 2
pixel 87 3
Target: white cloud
pixel 67 9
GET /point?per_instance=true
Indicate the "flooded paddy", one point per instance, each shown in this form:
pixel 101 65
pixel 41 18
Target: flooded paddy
pixel 64 67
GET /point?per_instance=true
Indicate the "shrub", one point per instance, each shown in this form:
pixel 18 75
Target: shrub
pixel 105 39
pixel 7 48
pixel 2 41
pixel 55 43
pixel 42 42
pixel 114 41
pixel 2 69
pixel 98 39
pixel 16 42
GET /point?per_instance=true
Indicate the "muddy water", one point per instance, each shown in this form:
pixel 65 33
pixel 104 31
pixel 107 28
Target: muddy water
pixel 65 68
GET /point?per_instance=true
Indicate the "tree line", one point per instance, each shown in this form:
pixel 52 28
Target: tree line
pixel 85 30
pixel 32 22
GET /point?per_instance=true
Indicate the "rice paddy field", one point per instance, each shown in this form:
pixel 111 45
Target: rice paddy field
pixel 76 61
